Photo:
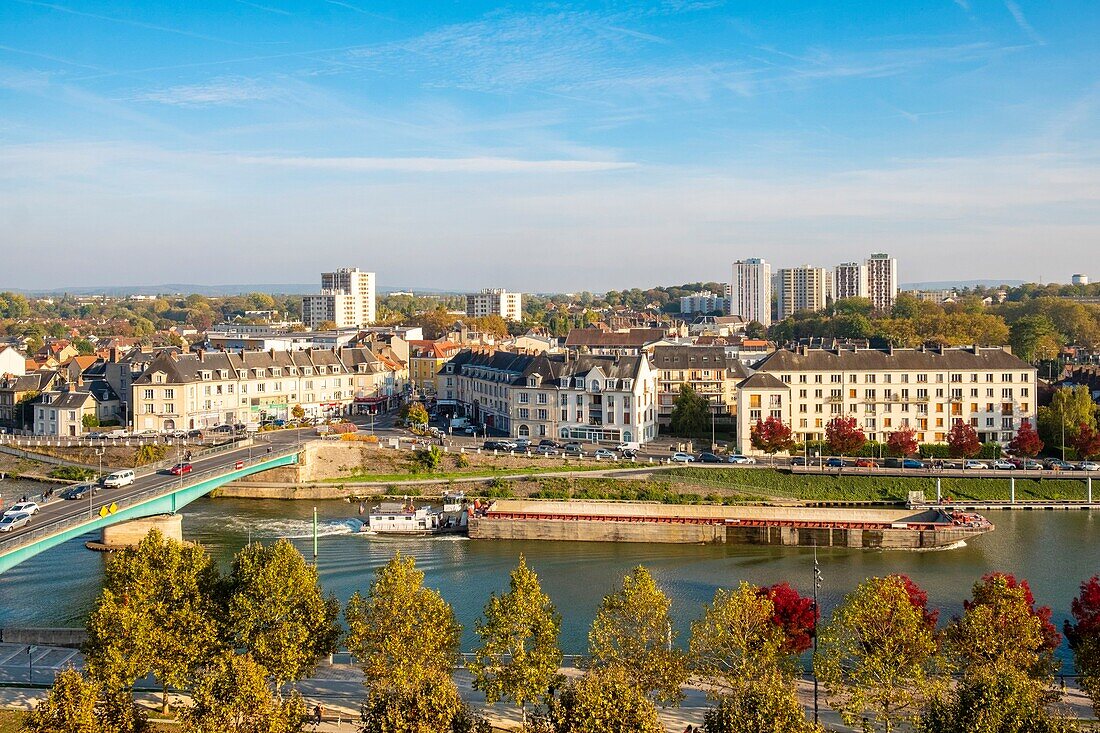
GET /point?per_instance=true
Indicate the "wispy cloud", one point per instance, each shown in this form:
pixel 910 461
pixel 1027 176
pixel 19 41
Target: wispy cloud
pixel 221 91
pixel 265 8
pixel 127 21
pixel 436 165
pixel 1021 20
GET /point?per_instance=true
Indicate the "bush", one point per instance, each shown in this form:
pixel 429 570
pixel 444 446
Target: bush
pixel 72 473
pixel 342 428
pixel 462 461
pixel 498 488
pixel 149 453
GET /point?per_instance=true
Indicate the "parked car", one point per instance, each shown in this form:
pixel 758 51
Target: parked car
pixel 795 461
pixel 708 457
pixel 1003 465
pixel 744 460
pixel 118 479
pixel 546 450
pixel 23 507
pixel 549 443
pixel 95 435
pixel 80 491
pixel 628 445
pixel 866 463
pixel 912 463
pixel 573 447
pixel 975 466
pixel 679 457
pixel 835 462
pixel 181 469
pixel 1088 466
pixel 147 433
pixel 523 443
pixel 603 453
pixel 1057 464
pixel 117 434
pixel 492 445
pixel 12 522
pixel 194 434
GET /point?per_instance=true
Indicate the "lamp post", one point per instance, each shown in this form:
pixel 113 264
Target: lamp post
pixel 817 584
pixel 99 477
pixel 30 664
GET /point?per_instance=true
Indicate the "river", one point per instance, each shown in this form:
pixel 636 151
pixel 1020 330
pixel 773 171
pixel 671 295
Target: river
pixel 1054 551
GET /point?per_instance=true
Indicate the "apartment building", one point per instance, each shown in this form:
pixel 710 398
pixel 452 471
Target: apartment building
pixel 495 302
pixel 850 281
pixel 347 298
pixel 426 358
pixel 702 302
pixel 708 370
pixel 882 281
pixel 18 393
pixel 586 397
pixel 927 390
pixel 62 413
pixel 628 342
pixel 750 294
pixel 804 289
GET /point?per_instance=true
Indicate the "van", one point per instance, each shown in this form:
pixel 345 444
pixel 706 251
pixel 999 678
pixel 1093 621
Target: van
pixel 118 479
pixel 629 445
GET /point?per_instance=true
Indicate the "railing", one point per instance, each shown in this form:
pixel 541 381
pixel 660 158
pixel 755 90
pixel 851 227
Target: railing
pixel 57 526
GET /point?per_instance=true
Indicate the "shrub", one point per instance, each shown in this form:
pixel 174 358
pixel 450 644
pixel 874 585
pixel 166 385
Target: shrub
pixel 462 461
pixel 342 428
pixel 72 473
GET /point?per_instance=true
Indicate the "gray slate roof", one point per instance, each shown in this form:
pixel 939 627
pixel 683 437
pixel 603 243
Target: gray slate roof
pixel 822 360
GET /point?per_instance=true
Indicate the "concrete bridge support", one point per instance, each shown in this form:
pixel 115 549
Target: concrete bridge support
pixel 129 534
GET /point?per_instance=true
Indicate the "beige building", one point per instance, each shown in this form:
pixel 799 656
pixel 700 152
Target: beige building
pixel 750 291
pixel 708 370
pixel 850 281
pixel 927 390
pixel 804 289
pixel 882 281
pixel 495 302
pixel 347 298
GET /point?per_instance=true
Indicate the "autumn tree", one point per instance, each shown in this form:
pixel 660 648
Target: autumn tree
pixel 606 700
pixel 404 635
pixel 902 442
pixel 432 705
pixel 1083 634
pixel 1086 443
pixel 794 614
pixel 519 657
pixel 297 412
pixel 690 413
pixel 413 413
pixel 157 614
pixel 231 695
pixel 962 440
pixel 77 704
pixel 771 436
pixel 1069 408
pixel 276 610
pixel 877 657
pixel 633 630
pixel 1026 442
pixel 994 588
pixel 843 436
pixel 758 706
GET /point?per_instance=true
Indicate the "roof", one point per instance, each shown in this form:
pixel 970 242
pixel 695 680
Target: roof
pixel 825 360
pixel 514 368
pixel 760 380
pixel 697 357
pixel 435 349
pixel 634 338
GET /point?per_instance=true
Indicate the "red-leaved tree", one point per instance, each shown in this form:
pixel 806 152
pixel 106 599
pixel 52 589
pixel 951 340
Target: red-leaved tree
pixel 987 590
pixel 962 441
pixel 771 436
pixel 919 598
pixel 795 614
pixel 1084 638
pixel 902 442
pixel 1087 442
pixel 843 436
pixel 1027 442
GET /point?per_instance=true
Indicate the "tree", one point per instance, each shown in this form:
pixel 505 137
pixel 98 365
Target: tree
pixel 690 413
pixel 231 696
pixel 1026 441
pixel 843 436
pixel 633 630
pixel 297 412
pixel 1004 702
pixel 605 700
pixel 1086 443
pixel 1069 408
pixel 1003 594
pixel 519 655
pixel 962 440
pixel 755 330
pixel 89 421
pixel 77 704
pixel 326 326
pixel 433 705
pixel 275 610
pixel 738 640
pixel 493 324
pixel 1035 337
pixel 794 614
pixel 1083 635
pixel 403 634
pixel 413 413
pixel 771 436
pixel 157 614
pixel 902 442
pixel 877 658
pixel 758 706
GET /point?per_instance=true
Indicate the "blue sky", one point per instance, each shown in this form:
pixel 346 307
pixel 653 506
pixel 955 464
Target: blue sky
pixel 544 146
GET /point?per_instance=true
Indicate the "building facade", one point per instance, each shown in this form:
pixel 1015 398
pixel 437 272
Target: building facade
pixel 927 390
pixel 702 302
pixel 882 281
pixel 751 290
pixel 804 289
pixel 426 358
pixel 495 302
pixel 708 370
pixel 347 298
pixel 850 281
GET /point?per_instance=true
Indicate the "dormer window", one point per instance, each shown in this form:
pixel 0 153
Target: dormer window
pixel 205 375
pixel 276 372
pixel 223 374
pixel 261 373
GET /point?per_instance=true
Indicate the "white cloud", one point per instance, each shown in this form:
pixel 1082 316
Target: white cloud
pixel 1021 20
pixel 220 91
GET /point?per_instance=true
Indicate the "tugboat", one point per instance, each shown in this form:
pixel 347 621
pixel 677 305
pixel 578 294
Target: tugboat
pixel 408 519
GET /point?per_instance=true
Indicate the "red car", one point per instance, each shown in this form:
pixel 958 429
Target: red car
pixel 866 463
pixel 180 469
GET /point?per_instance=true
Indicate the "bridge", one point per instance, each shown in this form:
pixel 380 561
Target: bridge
pixel 153 493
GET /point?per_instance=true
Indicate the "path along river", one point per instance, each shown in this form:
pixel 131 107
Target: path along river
pixel 1055 551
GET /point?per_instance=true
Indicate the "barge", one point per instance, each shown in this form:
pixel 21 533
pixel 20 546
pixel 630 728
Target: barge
pixel 607 521
pixel 409 519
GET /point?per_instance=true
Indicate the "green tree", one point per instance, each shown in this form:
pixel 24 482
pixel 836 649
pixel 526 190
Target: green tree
pixel 77 704
pixel 414 413
pixel 690 413
pixel 1069 408
pixel 231 695
pixel 878 656
pixel 633 630
pixel 276 610
pixel 90 421
pixel 403 634
pixel 433 705
pixel 737 640
pixel 764 705
pixel 519 657
pixel 297 412
pixel 605 700
pixel 430 459
pixel 157 614
pixel 1034 338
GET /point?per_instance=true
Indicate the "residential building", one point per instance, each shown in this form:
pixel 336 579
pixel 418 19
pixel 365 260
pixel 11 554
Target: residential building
pixel 804 289
pixel 495 302
pixel 63 413
pixel 927 390
pixel 18 394
pixel 12 361
pixel 380 381
pixel 850 281
pixel 585 397
pixel 426 358
pixel 630 342
pixel 347 298
pixel 702 302
pixel 717 325
pixel 882 281
pixel 708 370
pixel 933 296
pixel 751 290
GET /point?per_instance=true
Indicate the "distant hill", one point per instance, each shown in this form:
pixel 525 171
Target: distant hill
pixel 952 284
pixel 122 291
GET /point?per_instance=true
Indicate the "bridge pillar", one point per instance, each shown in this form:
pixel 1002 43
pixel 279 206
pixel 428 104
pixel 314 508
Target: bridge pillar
pixel 129 534
pixel 1012 489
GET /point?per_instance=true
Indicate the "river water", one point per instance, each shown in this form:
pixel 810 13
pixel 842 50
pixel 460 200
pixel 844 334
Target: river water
pixel 1054 551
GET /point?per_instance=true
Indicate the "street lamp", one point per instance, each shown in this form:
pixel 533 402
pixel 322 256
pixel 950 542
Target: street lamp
pixel 817 584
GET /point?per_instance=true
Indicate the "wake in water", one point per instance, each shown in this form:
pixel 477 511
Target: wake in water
pixel 953 546
pixel 292 529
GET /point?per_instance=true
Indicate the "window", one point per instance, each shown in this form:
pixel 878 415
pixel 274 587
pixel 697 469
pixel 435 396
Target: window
pixel 542 414
pixel 147 394
pixel 169 408
pixel 524 398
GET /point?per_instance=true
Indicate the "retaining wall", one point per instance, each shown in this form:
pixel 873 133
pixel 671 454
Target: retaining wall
pixel 68 638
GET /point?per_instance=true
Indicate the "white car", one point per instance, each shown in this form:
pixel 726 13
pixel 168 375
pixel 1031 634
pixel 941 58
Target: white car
pixel 683 458
pixel 1089 466
pixel 740 459
pixel 976 466
pixel 23 507
pixel 1002 465
pixel 14 521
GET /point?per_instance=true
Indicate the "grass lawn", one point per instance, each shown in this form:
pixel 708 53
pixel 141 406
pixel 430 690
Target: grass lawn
pixel 11 721
pixel 767 482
